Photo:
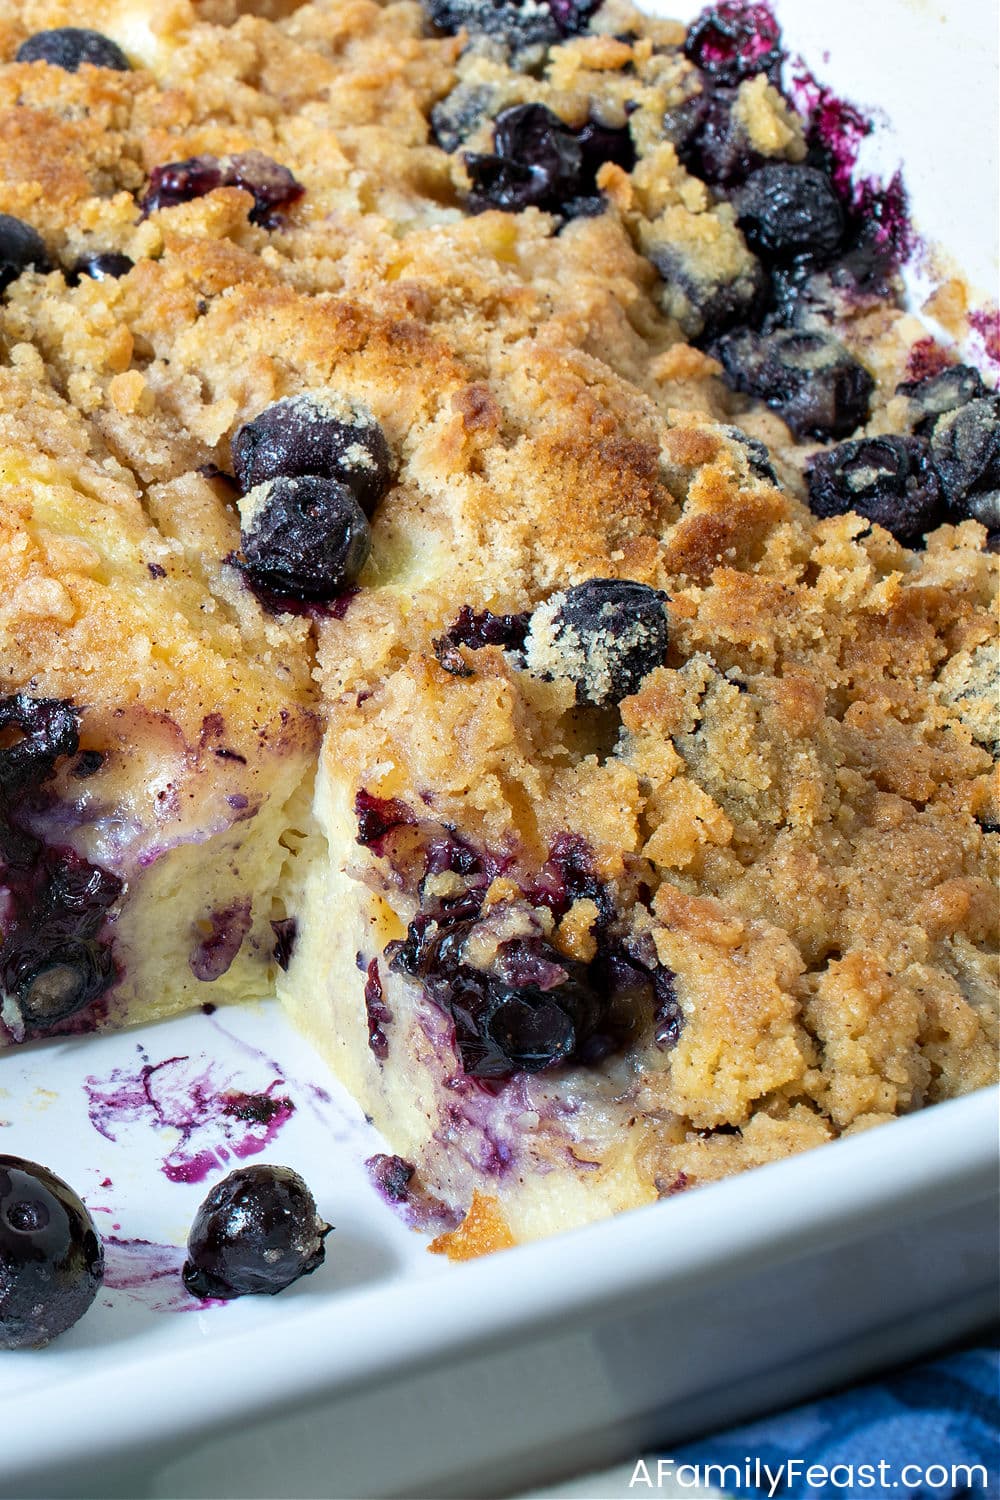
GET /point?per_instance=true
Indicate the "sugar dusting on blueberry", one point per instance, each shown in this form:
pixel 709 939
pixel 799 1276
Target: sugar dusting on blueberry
pixel 69 47
pixel 258 1231
pixel 326 433
pixel 51 1257
pixel 888 480
pixel 604 635
pixel 303 538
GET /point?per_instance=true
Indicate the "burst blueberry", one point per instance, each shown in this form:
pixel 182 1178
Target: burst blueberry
pixel 323 433
pixel 303 538
pixel 51 1257
pixel 257 1231
pixel 936 395
pixel 790 212
pixel 966 447
pixel 891 481
pixel 21 246
pixel 69 47
pixel 537 161
pixel 733 41
pixel 604 635
pixel 808 378
pixel 710 139
pixel 272 186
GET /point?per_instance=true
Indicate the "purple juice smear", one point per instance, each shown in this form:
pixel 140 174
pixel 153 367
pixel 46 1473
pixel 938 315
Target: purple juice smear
pixel 216 1118
pixel 151 1274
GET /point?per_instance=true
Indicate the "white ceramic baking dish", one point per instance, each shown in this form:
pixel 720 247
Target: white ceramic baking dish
pixel 391 1374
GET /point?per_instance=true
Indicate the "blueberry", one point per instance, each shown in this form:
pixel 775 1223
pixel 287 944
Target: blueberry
pixel 477 630
pixel 710 141
pixel 966 447
pixel 53 963
pixel 888 480
pixel 605 635
pixel 518 23
pixel 273 187
pixel 530 1029
pixel 257 1231
pixel 47 729
pixel 537 161
pixel 20 247
pixel 303 538
pixel 758 455
pixel 68 47
pixel 705 300
pixel 809 379
pixel 787 212
pixel 51 1257
pixel 936 395
pixel 322 432
pixel 807 297
pixel 105 266
pixel 733 41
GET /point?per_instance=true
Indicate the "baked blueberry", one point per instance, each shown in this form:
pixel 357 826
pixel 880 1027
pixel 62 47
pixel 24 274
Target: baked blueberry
pixel 733 41
pixel 790 212
pixel 935 395
pixel 891 481
pixel 20 247
pixel 273 187
pixel 322 433
pixel 537 161
pixel 517 23
pixel 710 139
pixel 68 47
pixel 256 1232
pixel 304 537
pixel 706 300
pixel 108 265
pixel 966 448
pixel 758 454
pixel 808 378
pixel 51 1257
pixel 605 635
pixel 38 732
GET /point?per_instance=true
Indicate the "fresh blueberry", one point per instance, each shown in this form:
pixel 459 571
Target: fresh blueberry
pixel 303 538
pixel 257 1231
pixel 889 480
pixel 938 394
pixel 68 47
pixel 108 265
pixel 966 447
pixel 733 41
pixel 710 140
pixel 705 302
pixel 787 212
pixel 809 379
pixel 20 247
pixel 322 433
pixel 51 1257
pixel 273 187
pixel 605 635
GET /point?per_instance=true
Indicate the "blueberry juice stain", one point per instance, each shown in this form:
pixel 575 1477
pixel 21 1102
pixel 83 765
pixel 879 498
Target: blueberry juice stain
pixel 215 1118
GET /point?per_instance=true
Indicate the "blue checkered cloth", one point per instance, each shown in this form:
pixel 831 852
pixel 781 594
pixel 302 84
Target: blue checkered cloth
pixel 942 1418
